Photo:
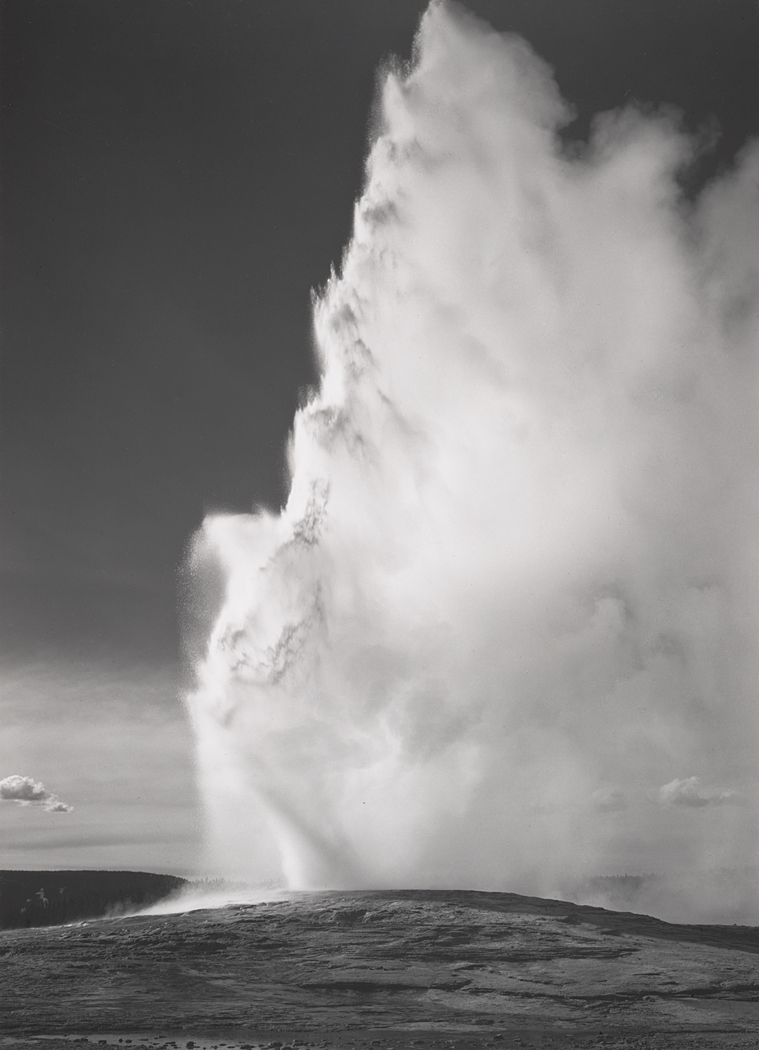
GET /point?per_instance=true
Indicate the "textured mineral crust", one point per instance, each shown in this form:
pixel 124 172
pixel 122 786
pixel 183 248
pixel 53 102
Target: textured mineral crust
pixel 381 969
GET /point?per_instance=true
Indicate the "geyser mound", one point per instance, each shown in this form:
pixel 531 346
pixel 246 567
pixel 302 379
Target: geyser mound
pixel 503 634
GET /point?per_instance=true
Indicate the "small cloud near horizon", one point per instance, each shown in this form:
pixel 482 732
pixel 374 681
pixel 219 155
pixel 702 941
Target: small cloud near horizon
pixel 610 799
pixel 689 792
pixel 26 792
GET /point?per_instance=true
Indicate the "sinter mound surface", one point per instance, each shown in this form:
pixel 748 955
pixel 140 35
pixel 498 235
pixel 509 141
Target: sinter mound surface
pixel 384 969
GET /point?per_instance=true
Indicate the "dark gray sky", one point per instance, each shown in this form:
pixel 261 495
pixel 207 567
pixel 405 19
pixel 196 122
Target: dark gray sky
pixel 177 175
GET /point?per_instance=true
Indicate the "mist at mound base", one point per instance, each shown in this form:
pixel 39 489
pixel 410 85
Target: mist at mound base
pixel 503 634
pixel 204 894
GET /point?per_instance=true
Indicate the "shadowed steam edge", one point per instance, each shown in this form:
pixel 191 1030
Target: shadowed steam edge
pixel 503 633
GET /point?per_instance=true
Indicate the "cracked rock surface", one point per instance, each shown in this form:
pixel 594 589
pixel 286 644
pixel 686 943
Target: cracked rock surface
pixel 384 969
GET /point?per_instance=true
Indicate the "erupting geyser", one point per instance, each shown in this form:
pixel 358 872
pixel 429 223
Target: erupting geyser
pixel 504 633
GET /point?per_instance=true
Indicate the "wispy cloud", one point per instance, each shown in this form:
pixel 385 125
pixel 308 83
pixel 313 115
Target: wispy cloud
pixel 24 792
pixel 689 792
pixel 610 799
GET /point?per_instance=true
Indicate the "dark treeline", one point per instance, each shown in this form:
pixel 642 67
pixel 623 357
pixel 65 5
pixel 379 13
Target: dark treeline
pixel 49 898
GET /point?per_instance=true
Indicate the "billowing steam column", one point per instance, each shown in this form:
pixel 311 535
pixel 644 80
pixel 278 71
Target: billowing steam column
pixel 504 633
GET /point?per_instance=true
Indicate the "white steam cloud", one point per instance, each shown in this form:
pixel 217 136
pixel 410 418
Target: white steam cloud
pixel 24 791
pixel 514 588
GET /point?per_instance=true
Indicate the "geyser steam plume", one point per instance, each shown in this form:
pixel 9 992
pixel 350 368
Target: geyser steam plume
pixel 504 632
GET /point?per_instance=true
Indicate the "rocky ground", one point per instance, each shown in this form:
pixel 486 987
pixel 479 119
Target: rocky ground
pixel 381 970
